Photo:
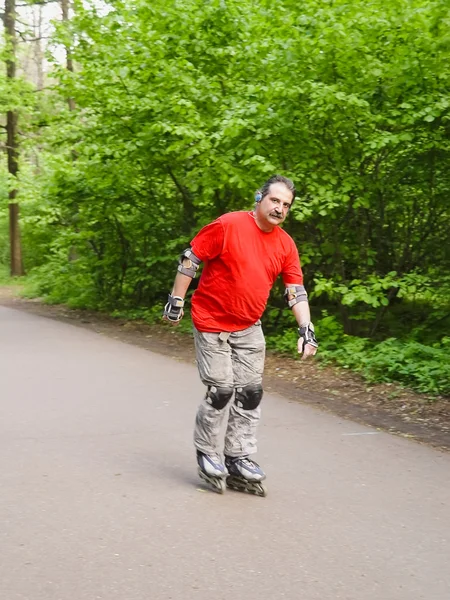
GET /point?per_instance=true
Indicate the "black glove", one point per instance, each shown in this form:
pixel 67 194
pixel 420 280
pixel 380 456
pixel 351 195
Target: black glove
pixel 173 310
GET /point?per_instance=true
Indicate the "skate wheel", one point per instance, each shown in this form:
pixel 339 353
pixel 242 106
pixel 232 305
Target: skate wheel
pixel 242 485
pixel 217 483
pixel 262 490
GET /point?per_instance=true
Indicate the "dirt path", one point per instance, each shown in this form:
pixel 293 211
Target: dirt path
pixel 386 406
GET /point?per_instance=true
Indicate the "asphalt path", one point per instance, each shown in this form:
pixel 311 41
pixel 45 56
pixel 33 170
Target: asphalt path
pixel 100 499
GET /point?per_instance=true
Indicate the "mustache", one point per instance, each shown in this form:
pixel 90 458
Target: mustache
pixel 277 215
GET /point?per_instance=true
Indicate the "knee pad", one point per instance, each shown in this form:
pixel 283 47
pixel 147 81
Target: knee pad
pixel 249 396
pixel 218 397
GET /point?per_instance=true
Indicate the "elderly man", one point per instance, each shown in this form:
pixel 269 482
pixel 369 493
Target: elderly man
pixel 243 254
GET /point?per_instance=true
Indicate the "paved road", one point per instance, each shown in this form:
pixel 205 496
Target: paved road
pixel 99 495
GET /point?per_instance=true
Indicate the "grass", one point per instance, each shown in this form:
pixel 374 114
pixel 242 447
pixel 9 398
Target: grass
pixel 6 280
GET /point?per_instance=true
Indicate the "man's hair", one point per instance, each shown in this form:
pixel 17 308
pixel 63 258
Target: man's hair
pixel 278 179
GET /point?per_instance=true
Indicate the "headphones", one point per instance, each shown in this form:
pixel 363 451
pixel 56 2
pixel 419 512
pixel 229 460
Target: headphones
pixel 258 197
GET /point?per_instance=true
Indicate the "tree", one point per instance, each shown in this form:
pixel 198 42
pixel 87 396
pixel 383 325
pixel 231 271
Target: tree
pixel 69 61
pixel 12 142
pixel 173 125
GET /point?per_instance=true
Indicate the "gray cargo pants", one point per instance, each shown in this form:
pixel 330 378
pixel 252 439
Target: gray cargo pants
pixel 230 360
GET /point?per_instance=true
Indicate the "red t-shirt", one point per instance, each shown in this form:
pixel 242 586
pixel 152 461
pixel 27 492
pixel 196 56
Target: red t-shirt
pixel 241 264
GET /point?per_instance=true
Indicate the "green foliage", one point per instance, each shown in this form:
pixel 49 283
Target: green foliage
pixel 62 282
pixel 4 275
pixel 420 367
pixel 372 291
pixel 182 109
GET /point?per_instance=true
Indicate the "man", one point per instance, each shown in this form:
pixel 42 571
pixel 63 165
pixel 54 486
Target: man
pixel 243 254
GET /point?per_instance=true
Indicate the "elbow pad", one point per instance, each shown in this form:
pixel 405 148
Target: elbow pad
pixel 295 294
pixel 188 263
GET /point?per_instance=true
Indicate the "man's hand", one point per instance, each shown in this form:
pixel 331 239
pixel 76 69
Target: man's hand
pixel 308 351
pixel 173 310
pixel 307 343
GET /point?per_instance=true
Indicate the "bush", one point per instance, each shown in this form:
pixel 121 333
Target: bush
pixel 62 282
pixel 418 366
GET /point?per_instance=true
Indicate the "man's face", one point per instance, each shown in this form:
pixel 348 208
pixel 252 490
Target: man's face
pixel 274 207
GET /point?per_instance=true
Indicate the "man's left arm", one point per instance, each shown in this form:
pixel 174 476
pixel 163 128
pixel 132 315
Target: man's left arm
pixel 297 299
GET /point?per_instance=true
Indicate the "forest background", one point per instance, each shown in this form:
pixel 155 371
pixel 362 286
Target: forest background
pixel 128 125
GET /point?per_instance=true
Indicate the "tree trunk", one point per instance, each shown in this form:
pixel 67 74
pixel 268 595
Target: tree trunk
pixel 38 52
pixel 11 143
pixel 14 237
pixel 69 61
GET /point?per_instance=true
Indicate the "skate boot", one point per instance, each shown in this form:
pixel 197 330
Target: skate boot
pixel 212 470
pixel 245 475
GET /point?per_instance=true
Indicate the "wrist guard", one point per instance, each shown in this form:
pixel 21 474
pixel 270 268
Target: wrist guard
pixel 173 310
pixel 307 335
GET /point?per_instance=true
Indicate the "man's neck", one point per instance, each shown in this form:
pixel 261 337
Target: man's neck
pixel 264 226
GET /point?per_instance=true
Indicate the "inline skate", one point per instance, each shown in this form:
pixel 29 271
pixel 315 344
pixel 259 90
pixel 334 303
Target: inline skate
pixel 212 470
pixel 245 475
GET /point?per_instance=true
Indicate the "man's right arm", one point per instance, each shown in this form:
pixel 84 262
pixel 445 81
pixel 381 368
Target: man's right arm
pixel 181 285
pixel 187 269
pixel 208 244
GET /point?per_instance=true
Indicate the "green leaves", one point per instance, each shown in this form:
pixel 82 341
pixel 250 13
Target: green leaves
pixel 183 109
